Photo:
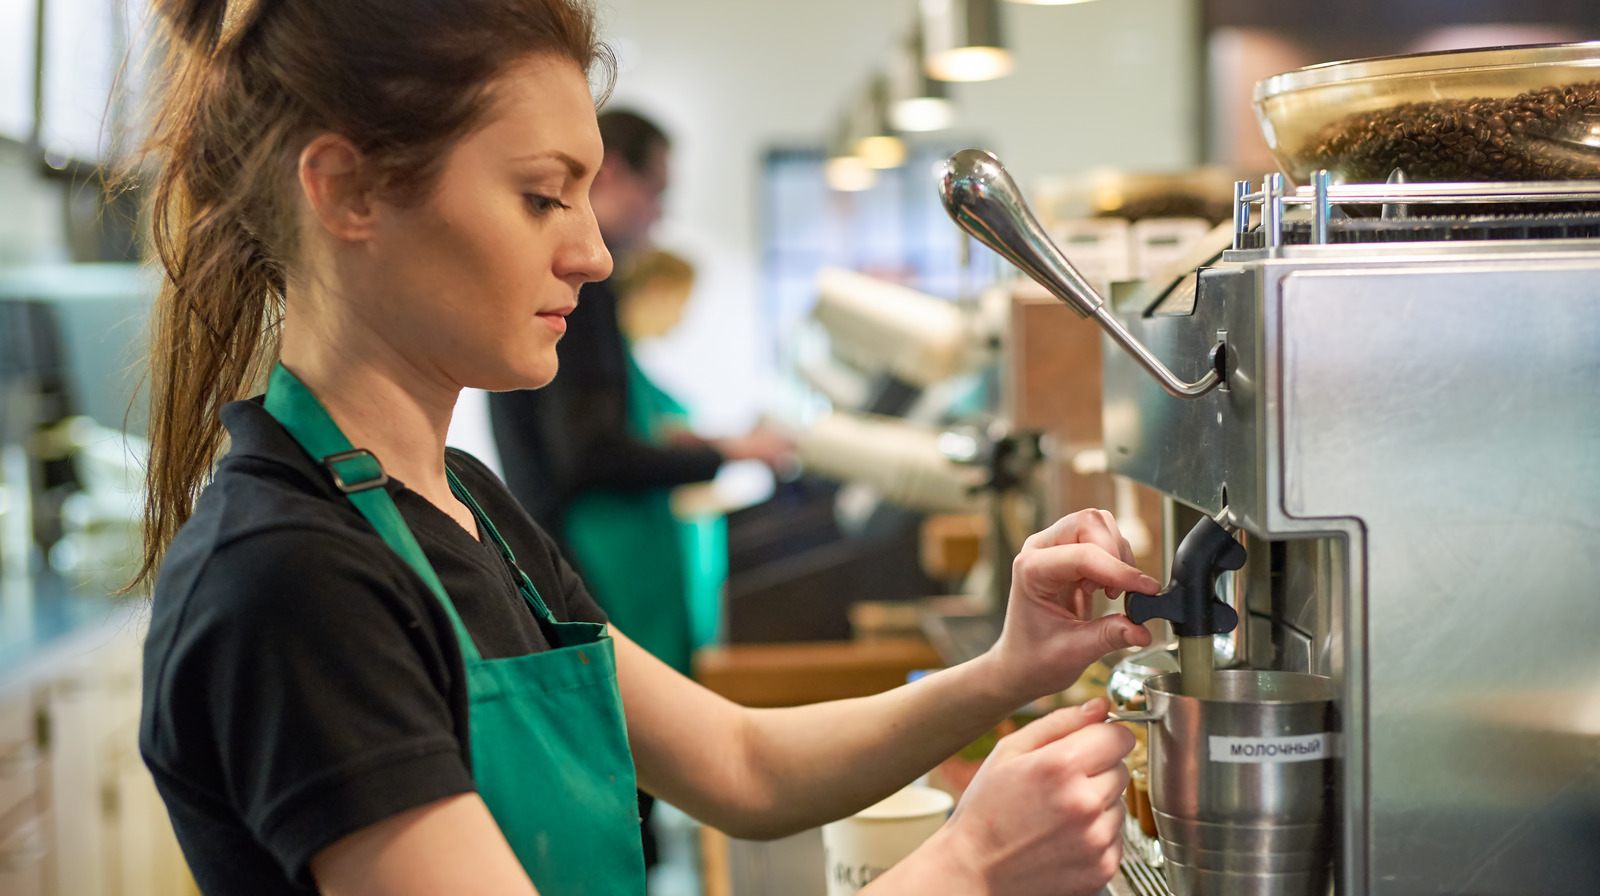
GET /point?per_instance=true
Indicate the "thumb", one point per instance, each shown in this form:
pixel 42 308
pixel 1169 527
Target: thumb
pixel 1112 632
pixel 1057 725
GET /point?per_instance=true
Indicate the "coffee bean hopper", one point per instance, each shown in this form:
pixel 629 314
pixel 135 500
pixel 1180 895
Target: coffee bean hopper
pixel 1400 415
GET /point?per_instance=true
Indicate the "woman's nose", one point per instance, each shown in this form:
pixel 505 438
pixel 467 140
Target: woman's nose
pixel 585 254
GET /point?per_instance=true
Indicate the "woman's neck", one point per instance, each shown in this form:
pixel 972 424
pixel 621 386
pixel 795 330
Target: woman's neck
pixel 381 401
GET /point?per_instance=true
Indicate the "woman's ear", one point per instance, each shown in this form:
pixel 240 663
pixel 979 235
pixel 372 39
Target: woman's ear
pixel 336 187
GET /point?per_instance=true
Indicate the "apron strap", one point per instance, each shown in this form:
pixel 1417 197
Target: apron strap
pixel 524 584
pixel 359 475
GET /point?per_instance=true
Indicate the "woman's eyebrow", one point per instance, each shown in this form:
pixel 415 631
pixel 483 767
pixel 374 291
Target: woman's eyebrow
pixel 574 167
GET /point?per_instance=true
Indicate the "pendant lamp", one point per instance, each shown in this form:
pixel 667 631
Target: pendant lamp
pixel 916 101
pixel 877 144
pixel 963 40
pixel 845 170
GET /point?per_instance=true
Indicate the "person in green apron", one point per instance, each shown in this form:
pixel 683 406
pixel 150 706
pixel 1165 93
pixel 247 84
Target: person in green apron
pixel 368 670
pixel 658 575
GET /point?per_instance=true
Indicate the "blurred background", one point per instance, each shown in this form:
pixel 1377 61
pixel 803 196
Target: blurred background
pixel 804 141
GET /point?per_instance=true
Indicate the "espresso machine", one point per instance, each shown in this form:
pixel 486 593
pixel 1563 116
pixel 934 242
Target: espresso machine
pixel 1399 415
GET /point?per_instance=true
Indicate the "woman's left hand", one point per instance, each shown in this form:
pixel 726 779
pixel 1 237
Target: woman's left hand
pixel 1050 636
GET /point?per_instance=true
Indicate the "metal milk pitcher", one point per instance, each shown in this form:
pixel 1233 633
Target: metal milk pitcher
pixel 1242 784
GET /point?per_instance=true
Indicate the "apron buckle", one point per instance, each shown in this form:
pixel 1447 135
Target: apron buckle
pixel 362 470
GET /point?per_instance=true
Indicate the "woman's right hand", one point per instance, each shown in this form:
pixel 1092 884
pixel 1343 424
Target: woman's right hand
pixel 1042 816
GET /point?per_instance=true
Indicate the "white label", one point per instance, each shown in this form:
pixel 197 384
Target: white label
pixel 1299 748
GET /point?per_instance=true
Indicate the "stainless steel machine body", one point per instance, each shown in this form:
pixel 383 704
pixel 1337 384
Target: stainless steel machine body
pixel 1403 417
pixel 1409 434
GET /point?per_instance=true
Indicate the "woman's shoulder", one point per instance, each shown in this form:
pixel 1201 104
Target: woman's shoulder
pixel 262 554
pixel 272 550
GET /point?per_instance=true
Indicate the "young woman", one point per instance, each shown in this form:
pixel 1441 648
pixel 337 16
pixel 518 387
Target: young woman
pixel 368 672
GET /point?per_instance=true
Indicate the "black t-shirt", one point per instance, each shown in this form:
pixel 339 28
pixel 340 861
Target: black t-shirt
pixel 572 436
pixel 301 681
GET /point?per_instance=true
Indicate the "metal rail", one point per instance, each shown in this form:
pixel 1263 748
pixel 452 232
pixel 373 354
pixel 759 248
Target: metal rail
pixel 1373 194
pixel 1322 195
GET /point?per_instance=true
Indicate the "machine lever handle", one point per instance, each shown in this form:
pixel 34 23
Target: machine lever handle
pixel 985 202
pixel 1190 599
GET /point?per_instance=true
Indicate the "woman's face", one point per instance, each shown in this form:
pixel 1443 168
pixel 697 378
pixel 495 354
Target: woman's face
pixel 473 284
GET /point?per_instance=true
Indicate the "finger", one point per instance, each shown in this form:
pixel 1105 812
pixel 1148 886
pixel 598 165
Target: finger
pixel 1070 529
pixel 1058 724
pixel 1111 784
pixel 1054 569
pixel 1095 750
pixel 1091 526
pixel 1112 632
pixel 1108 827
pixel 1053 534
pixel 1125 554
pixel 1100 529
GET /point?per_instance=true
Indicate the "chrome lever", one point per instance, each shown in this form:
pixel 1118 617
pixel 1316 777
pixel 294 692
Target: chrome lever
pixel 985 202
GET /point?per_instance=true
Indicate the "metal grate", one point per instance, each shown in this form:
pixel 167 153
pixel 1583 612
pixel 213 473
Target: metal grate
pixel 1434 229
pixel 1444 211
pixel 1142 880
pixel 1141 859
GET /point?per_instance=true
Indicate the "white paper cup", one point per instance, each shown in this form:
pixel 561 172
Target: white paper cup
pixel 863 846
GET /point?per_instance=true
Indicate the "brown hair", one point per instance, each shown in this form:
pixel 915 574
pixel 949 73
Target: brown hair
pixel 248 84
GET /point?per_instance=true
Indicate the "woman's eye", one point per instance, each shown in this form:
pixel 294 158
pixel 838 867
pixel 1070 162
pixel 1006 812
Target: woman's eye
pixel 542 205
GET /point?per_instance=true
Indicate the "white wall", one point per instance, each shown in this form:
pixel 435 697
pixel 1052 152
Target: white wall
pixel 1104 83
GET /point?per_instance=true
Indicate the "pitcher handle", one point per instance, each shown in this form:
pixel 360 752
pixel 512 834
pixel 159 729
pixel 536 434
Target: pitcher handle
pixel 1124 715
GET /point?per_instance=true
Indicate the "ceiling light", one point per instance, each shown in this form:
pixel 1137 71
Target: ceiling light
pixel 845 170
pixel 876 142
pixel 923 113
pixel 916 101
pixel 963 40
pixel 849 174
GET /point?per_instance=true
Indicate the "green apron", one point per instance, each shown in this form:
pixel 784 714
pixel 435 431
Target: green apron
pixel 549 743
pixel 659 578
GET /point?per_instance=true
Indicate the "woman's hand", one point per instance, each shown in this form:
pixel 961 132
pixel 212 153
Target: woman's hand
pixel 766 443
pixel 1043 816
pixel 1050 636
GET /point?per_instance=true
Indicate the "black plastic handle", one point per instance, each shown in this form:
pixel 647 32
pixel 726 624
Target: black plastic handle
pixel 1190 599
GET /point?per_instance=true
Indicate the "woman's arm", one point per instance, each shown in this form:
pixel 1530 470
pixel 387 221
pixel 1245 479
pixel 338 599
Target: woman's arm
pixel 449 846
pixel 767 772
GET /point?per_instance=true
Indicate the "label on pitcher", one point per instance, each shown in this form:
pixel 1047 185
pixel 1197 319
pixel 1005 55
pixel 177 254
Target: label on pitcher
pixel 1297 748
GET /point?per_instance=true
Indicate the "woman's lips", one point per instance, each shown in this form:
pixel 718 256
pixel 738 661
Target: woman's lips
pixel 556 319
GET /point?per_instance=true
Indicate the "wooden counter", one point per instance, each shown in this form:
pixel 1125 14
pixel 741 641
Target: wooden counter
pixel 795 674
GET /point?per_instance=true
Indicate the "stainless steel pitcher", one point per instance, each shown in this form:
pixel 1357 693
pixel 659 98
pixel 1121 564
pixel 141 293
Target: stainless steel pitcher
pixel 1243 783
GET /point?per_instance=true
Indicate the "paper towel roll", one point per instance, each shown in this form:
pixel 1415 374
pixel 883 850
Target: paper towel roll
pixel 880 326
pixel 901 460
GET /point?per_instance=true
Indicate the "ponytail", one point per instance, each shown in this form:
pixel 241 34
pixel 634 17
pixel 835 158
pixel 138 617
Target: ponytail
pixel 213 325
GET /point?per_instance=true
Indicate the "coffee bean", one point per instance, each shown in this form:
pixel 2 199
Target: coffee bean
pixel 1544 134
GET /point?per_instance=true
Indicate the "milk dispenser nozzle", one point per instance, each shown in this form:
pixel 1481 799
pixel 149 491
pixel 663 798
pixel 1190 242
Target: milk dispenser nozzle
pixel 985 202
pixel 1190 601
